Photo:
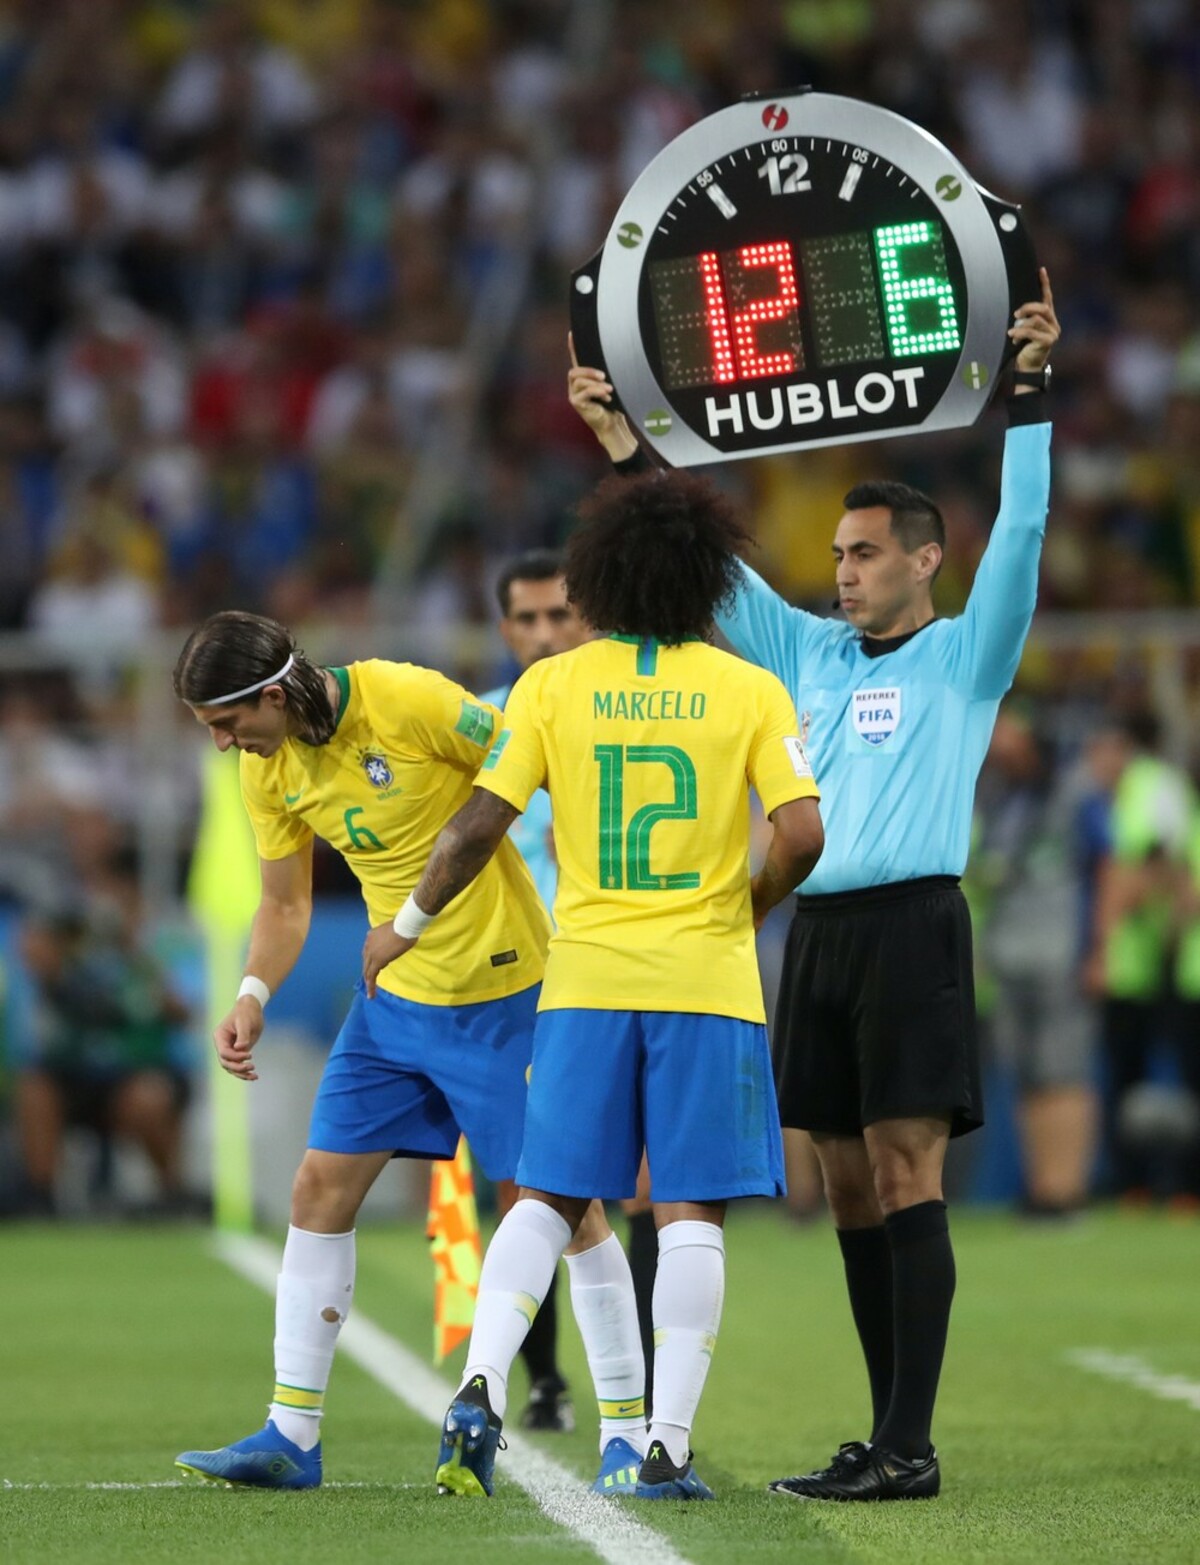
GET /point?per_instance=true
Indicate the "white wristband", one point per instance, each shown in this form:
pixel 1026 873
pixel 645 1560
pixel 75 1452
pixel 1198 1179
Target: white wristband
pixel 411 921
pixel 255 987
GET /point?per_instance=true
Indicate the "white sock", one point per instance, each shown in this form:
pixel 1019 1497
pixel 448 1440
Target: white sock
pixel 516 1275
pixel 606 1312
pixel 312 1300
pixel 688 1293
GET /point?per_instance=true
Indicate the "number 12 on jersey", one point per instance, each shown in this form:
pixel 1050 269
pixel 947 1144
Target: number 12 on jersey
pixel 625 850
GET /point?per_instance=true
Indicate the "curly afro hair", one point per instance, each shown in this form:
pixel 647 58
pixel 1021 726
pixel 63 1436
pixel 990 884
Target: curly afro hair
pixel 654 555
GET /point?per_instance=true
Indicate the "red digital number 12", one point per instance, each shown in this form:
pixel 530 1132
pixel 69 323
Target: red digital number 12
pixel 734 338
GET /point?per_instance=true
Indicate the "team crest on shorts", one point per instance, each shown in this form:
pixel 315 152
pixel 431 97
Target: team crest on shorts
pixel 379 773
pixel 876 714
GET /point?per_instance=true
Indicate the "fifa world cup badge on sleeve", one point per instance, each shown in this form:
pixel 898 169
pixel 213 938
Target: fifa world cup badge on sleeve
pixel 796 754
pixel 475 723
pixel 496 751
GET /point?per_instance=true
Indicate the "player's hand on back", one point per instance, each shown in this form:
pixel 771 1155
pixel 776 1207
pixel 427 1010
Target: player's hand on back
pixel 382 945
pixel 1036 328
pixel 236 1036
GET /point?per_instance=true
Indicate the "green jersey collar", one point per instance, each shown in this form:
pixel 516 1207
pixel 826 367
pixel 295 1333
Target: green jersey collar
pixel 647 658
pixel 654 641
pixel 342 675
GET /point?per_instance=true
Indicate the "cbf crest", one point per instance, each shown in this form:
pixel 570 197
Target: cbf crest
pixel 876 714
pixel 379 773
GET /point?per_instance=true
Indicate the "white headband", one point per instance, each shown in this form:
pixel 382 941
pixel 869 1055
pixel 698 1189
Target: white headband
pixel 271 679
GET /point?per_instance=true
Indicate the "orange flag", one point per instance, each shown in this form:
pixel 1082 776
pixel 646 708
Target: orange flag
pixel 453 1232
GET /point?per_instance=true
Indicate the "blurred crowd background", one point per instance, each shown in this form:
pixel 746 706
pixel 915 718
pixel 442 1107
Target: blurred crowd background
pixel 283 297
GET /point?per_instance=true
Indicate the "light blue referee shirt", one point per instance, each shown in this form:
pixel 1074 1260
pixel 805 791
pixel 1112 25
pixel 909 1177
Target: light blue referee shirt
pixel 532 832
pixel 897 735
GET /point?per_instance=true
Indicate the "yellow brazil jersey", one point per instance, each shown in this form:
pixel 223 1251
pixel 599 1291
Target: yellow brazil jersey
pixel 649 752
pixel 401 761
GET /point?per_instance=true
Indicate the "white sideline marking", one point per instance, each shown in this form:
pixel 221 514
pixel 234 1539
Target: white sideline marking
pixel 1134 1371
pixel 604 1525
pixel 6 1484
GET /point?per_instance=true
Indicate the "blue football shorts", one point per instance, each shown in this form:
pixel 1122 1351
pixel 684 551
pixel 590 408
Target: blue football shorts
pixel 696 1091
pixel 407 1078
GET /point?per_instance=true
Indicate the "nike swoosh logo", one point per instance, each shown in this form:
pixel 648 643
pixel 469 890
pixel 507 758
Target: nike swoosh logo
pixel 293 798
pixel 628 1407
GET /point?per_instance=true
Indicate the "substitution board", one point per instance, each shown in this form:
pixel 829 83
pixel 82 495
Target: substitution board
pixel 804 271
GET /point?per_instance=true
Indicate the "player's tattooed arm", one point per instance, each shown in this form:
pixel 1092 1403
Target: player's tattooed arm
pixel 465 845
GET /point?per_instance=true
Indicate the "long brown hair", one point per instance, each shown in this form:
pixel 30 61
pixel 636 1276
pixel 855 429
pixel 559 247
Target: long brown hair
pixel 234 650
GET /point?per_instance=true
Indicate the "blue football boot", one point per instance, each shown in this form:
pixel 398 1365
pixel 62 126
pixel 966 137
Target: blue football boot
pixel 266 1460
pixel 660 1479
pixel 619 1464
pixel 470 1439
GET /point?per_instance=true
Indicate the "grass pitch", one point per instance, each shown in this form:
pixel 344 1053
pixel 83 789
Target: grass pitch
pixel 124 1346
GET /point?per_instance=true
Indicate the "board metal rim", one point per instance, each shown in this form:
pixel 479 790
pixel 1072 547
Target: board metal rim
pixel 726 134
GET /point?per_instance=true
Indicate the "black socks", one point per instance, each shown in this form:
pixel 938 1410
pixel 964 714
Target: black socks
pixel 922 1291
pixel 867 1257
pixel 643 1263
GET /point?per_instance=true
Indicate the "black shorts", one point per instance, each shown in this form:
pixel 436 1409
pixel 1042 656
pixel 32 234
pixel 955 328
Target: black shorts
pixel 876 1014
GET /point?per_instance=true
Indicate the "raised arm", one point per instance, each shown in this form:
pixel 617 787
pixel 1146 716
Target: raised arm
pixel 759 624
pixel 991 632
pixel 590 394
pixel 766 629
